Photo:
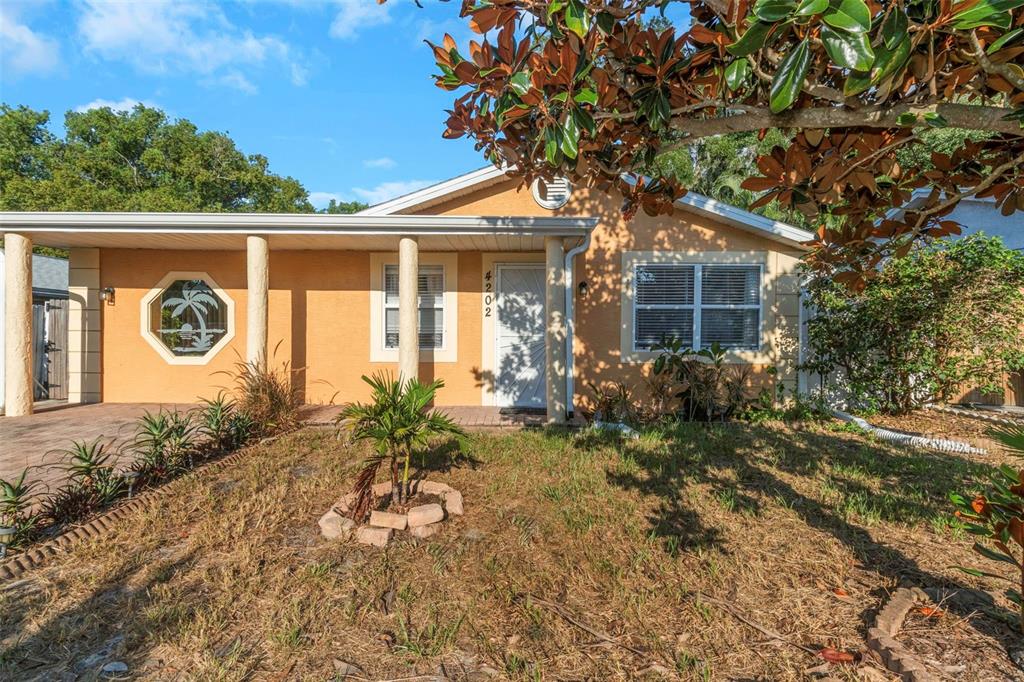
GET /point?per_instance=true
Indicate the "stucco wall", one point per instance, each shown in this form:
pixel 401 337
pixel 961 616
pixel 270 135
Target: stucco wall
pixel 319 319
pixel 597 347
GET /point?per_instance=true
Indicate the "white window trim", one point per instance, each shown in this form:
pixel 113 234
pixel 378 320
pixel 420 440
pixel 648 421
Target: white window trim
pixel 158 345
pixel 632 259
pixel 450 277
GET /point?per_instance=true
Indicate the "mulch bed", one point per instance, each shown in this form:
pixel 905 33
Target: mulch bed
pixel 933 424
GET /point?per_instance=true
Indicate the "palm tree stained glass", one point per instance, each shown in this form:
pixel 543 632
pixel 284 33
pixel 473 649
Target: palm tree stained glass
pixel 188 317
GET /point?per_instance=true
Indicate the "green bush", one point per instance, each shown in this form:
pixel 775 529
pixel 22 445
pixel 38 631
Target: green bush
pixel 944 317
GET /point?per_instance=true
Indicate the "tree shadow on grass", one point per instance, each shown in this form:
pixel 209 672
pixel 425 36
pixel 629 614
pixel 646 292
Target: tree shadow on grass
pixel 100 628
pixel 744 465
pixel 443 456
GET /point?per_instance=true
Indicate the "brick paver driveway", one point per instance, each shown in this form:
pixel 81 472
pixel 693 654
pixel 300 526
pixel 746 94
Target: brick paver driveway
pixel 33 441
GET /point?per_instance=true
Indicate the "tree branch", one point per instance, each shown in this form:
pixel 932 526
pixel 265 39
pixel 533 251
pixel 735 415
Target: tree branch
pixel 990 67
pixel 966 116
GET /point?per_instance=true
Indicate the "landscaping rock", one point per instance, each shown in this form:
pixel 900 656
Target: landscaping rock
pixel 344 505
pixel 382 489
pixel 383 519
pixel 432 488
pixel 378 537
pixel 425 514
pixel 115 667
pixel 453 502
pixel 424 532
pixel 334 526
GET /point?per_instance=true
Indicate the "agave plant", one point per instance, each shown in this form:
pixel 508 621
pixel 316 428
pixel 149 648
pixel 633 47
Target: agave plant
pixel 214 419
pixel 17 501
pixel 397 421
pixel 996 517
pixel 84 460
pixel 164 444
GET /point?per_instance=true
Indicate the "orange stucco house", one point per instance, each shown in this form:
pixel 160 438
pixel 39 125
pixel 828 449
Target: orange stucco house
pixel 522 296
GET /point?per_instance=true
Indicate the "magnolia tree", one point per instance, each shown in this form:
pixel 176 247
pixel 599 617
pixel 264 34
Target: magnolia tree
pixel 595 90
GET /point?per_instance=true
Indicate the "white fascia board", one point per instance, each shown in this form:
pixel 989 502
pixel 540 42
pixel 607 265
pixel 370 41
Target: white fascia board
pixel 290 223
pixel 746 220
pixel 432 193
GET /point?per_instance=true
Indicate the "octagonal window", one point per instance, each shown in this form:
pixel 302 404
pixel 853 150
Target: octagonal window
pixel 188 318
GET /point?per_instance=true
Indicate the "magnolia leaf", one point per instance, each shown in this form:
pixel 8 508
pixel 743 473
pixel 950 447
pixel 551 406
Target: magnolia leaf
pixel 736 74
pixel 847 49
pixel 789 78
pixel 552 142
pixel 773 10
pixel 987 13
pixel 894 28
pixel 570 137
pixel 576 18
pixel 809 8
pixel 1006 39
pixel 520 82
pixel 751 41
pixel 585 96
pixel 992 554
pixel 851 15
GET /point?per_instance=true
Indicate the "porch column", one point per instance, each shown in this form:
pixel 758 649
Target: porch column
pixel 258 271
pixel 554 337
pixel 18 325
pixel 408 308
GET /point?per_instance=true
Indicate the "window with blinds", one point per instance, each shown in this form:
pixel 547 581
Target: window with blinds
pixel 697 305
pixel 431 306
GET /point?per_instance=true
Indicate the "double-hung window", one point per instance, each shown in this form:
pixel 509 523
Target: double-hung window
pixel 697 305
pixel 431 306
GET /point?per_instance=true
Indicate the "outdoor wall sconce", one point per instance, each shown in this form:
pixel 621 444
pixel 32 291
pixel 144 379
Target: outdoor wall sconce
pixel 583 288
pixel 6 538
pixel 107 294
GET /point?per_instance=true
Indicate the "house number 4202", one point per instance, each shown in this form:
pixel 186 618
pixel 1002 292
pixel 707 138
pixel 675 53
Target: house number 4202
pixel 488 293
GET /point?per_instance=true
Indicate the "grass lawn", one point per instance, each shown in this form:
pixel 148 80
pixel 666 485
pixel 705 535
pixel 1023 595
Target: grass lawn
pixel 579 557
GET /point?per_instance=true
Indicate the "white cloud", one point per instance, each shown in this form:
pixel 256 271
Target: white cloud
pixel 389 190
pixel 382 162
pixel 123 104
pixel 355 15
pixel 161 36
pixel 22 50
pixel 321 199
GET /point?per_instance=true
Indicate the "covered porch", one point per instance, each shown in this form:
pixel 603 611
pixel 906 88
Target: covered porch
pixel 268 239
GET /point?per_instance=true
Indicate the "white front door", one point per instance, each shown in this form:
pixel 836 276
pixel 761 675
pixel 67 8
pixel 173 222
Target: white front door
pixel 519 336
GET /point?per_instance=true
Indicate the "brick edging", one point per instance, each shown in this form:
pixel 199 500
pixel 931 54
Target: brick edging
pixel 35 556
pixel 881 637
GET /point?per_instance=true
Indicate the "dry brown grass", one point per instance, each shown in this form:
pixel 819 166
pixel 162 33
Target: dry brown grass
pixel 228 579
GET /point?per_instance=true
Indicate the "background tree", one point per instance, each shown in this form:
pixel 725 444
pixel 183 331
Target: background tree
pixel 585 88
pixel 335 206
pixel 931 324
pixel 134 160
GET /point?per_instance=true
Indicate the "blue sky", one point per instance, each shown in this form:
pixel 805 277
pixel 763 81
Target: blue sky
pixel 336 93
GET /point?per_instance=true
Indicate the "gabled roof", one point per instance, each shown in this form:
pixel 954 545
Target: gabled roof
pixel 692 201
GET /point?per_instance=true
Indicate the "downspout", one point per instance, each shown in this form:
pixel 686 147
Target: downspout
pixel 570 322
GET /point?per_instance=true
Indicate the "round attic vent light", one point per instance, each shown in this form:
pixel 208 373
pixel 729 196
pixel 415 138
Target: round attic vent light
pixel 551 194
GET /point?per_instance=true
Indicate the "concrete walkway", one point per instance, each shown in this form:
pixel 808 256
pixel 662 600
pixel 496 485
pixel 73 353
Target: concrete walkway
pixel 36 441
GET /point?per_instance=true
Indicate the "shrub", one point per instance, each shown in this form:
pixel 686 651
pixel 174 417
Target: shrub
pixel 945 316
pixel 269 396
pixel 613 403
pixel 997 517
pixel 17 501
pixel 216 421
pixel 706 386
pixel 92 483
pixel 164 445
pixel 397 422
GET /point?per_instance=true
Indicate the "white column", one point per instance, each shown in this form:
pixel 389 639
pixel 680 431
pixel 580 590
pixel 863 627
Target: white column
pixel 408 308
pixel 257 298
pixel 554 338
pixel 84 326
pixel 18 325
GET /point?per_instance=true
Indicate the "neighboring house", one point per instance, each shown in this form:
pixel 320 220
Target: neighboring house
pixel 508 278
pixel 49 326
